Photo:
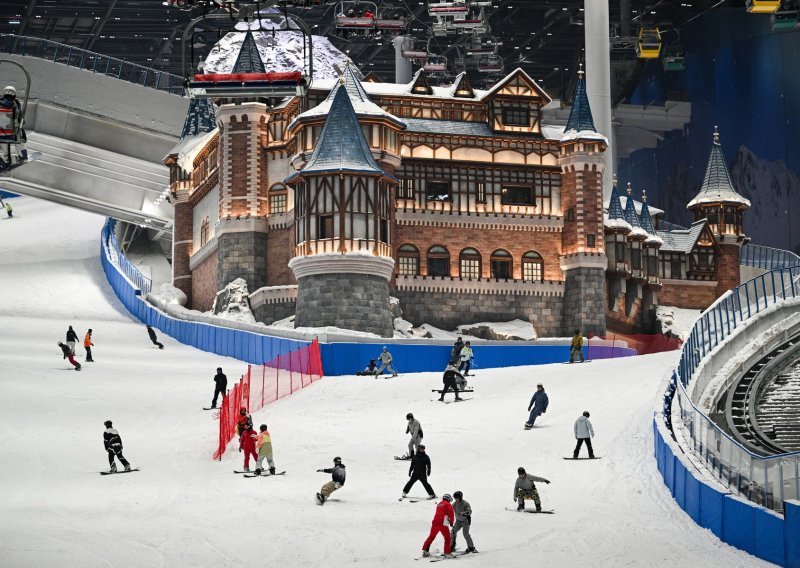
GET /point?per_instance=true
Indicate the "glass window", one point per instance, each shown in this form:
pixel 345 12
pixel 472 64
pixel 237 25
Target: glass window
pixel 675 266
pixel 636 259
pixel 516 116
pixel 619 251
pixel 517 195
pixel 501 265
pixel 480 193
pixel 532 267
pixel 204 228
pixel 438 261
pixel 408 260
pixel 406 189
pixel 277 198
pixel 571 214
pixel 652 265
pixel 325 227
pixel 384 228
pixel 469 263
pixel 437 190
pixel 590 240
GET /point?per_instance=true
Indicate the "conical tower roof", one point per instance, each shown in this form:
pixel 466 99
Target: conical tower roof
pixel 631 217
pixel 341 146
pixel 717 186
pixel 615 218
pixel 580 115
pixel 200 118
pixel 249 60
pixel 647 223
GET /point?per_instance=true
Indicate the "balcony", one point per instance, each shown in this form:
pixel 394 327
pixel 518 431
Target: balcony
pixel 452 284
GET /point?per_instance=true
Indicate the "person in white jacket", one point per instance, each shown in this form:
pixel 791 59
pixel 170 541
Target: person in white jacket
pixel 584 433
pixel 386 363
pixel 415 430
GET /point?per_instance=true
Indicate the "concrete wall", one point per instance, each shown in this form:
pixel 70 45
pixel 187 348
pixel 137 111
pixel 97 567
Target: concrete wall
pixel 242 255
pixel 269 313
pixel 584 301
pixel 207 207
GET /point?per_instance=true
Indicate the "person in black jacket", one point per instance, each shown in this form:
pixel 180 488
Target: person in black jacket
pixel 419 470
pixel 451 375
pixel 338 475
pixel 222 384
pixel 68 354
pixel 113 444
pixel 72 339
pixel 151 332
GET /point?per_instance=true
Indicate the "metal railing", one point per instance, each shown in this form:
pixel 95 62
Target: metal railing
pixel 119 259
pixel 90 61
pixel 767 481
pixel 766 257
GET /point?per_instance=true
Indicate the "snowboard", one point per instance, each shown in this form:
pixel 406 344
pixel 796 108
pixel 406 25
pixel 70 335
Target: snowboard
pixel 594 458
pixel 32 157
pixel 440 390
pixel 320 499
pixel 120 471
pixel 576 362
pixel 266 474
pixel 533 511
pixel 416 499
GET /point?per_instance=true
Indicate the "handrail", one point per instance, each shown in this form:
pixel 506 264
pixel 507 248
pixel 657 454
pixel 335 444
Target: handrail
pixel 88 60
pixel 116 256
pixel 759 256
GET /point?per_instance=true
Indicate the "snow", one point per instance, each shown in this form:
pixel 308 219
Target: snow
pixel 617 224
pixel 573 134
pixel 676 322
pixel 511 330
pixel 188 148
pixel 183 509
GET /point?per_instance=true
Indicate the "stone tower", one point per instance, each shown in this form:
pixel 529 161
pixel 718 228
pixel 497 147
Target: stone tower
pixel 343 212
pixel 723 208
pixel 583 260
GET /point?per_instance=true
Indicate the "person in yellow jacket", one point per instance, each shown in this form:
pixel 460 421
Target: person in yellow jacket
pixel 87 344
pixel 264 448
pixel 576 347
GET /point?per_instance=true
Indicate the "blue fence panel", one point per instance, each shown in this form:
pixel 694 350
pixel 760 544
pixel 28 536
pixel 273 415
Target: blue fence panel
pixel 669 467
pixel 679 483
pixel 769 537
pixel 692 503
pixel 739 524
pixel 711 509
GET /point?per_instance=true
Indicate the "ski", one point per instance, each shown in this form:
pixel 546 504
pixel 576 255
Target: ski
pixel 463 553
pixel 265 474
pixel 452 401
pixel 433 554
pixel 120 471
pixel 533 511
pixel 212 408
pixel 402 458
pixel 576 362
pixel 235 471
pixel 465 390
pixel 594 458
pixel 442 557
pixel 415 499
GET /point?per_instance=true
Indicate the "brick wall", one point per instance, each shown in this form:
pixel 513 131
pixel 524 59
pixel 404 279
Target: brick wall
pixel 683 295
pixel 728 269
pixel 584 301
pixel 280 249
pixel 204 283
pixel 446 310
pixel 485 241
pixel 182 248
pixel 269 313
pixel 242 255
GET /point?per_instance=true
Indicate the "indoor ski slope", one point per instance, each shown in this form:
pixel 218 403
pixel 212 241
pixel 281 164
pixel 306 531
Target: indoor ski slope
pixel 183 509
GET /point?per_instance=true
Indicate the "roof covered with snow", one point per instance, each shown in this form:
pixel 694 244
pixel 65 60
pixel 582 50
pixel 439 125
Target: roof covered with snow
pixel 402 89
pixel 647 224
pixel 681 240
pixel 615 218
pixel 717 185
pixel 632 218
pixel 580 115
pixel 654 211
pixel 198 129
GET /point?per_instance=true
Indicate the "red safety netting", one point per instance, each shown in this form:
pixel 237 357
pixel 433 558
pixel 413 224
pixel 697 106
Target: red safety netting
pixel 614 345
pixel 263 384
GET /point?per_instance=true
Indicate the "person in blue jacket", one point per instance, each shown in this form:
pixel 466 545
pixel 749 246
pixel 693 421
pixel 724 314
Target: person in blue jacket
pixel 537 406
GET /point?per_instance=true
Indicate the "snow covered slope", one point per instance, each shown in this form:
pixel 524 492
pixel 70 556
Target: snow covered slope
pixel 182 509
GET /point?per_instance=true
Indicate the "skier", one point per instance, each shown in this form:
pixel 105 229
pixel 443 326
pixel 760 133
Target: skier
pixel 419 470
pixel 450 377
pixel 414 428
pixel 243 422
pixel 576 347
pixel 113 445
pixel 463 521
pixel 538 403
pixel 442 521
pixel 13 133
pixel 264 446
pixel 87 344
pixel 386 363
pixel 338 475
pixel 247 443
pixel 69 355
pixel 222 383
pixel 72 339
pixel 583 433
pixel 466 359
pixel 525 488
pixel 9 210
pixel 151 332
pixel 455 353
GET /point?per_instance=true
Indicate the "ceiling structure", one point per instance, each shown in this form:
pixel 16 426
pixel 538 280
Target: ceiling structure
pixel 544 37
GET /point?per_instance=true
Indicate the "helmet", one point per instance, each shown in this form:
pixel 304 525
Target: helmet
pixel 385 348
pixel 409 416
pixel 337 459
pixel 458 495
pixel 447 497
pixel 107 423
pixel 521 470
pixel 9 90
pixel 263 427
pixel 243 410
pixel 586 413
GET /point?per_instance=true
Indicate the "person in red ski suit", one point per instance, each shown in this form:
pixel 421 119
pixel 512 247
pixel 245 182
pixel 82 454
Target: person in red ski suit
pixel 247 444
pixel 442 521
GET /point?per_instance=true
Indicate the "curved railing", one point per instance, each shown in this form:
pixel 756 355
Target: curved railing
pixel 132 273
pixel 90 61
pixel 768 258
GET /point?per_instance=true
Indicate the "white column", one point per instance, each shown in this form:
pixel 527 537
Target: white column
pixel 598 79
pixel 402 66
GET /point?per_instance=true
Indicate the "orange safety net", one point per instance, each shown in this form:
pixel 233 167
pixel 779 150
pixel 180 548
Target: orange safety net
pixel 613 345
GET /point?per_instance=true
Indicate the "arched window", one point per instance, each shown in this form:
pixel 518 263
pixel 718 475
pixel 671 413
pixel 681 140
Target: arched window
pixel 204 231
pixel 469 263
pixel 438 261
pixel 277 198
pixel 532 267
pixel 408 260
pixel 502 265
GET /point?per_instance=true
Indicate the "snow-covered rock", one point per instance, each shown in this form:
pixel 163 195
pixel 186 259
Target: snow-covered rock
pixel 233 303
pixel 514 330
pixel 403 328
pixel 676 322
pixel 170 295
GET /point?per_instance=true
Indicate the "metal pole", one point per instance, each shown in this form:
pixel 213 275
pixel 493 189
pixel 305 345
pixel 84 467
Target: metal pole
pixel 402 66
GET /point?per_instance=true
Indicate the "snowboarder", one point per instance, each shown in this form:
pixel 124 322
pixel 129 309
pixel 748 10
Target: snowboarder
pixel 583 433
pixel 338 475
pixel 576 347
pixel 442 521
pixel 525 488
pixel 151 332
pixel 466 359
pixel 247 444
pixel 369 369
pixel 264 446
pixel 113 445
pixel 221 385
pixel 463 521
pixel 450 378
pixel 87 344
pixel 537 406
pixel 414 428
pixel 244 421
pixel 72 339
pixel 419 470
pixel 9 210
pixel 386 363
pixel 69 355
pixel 455 353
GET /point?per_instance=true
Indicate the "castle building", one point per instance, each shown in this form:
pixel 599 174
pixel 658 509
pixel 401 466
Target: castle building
pixel 462 203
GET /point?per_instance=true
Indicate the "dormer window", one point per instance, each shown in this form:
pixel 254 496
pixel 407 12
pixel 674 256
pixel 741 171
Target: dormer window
pixel 516 116
pixel 517 195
